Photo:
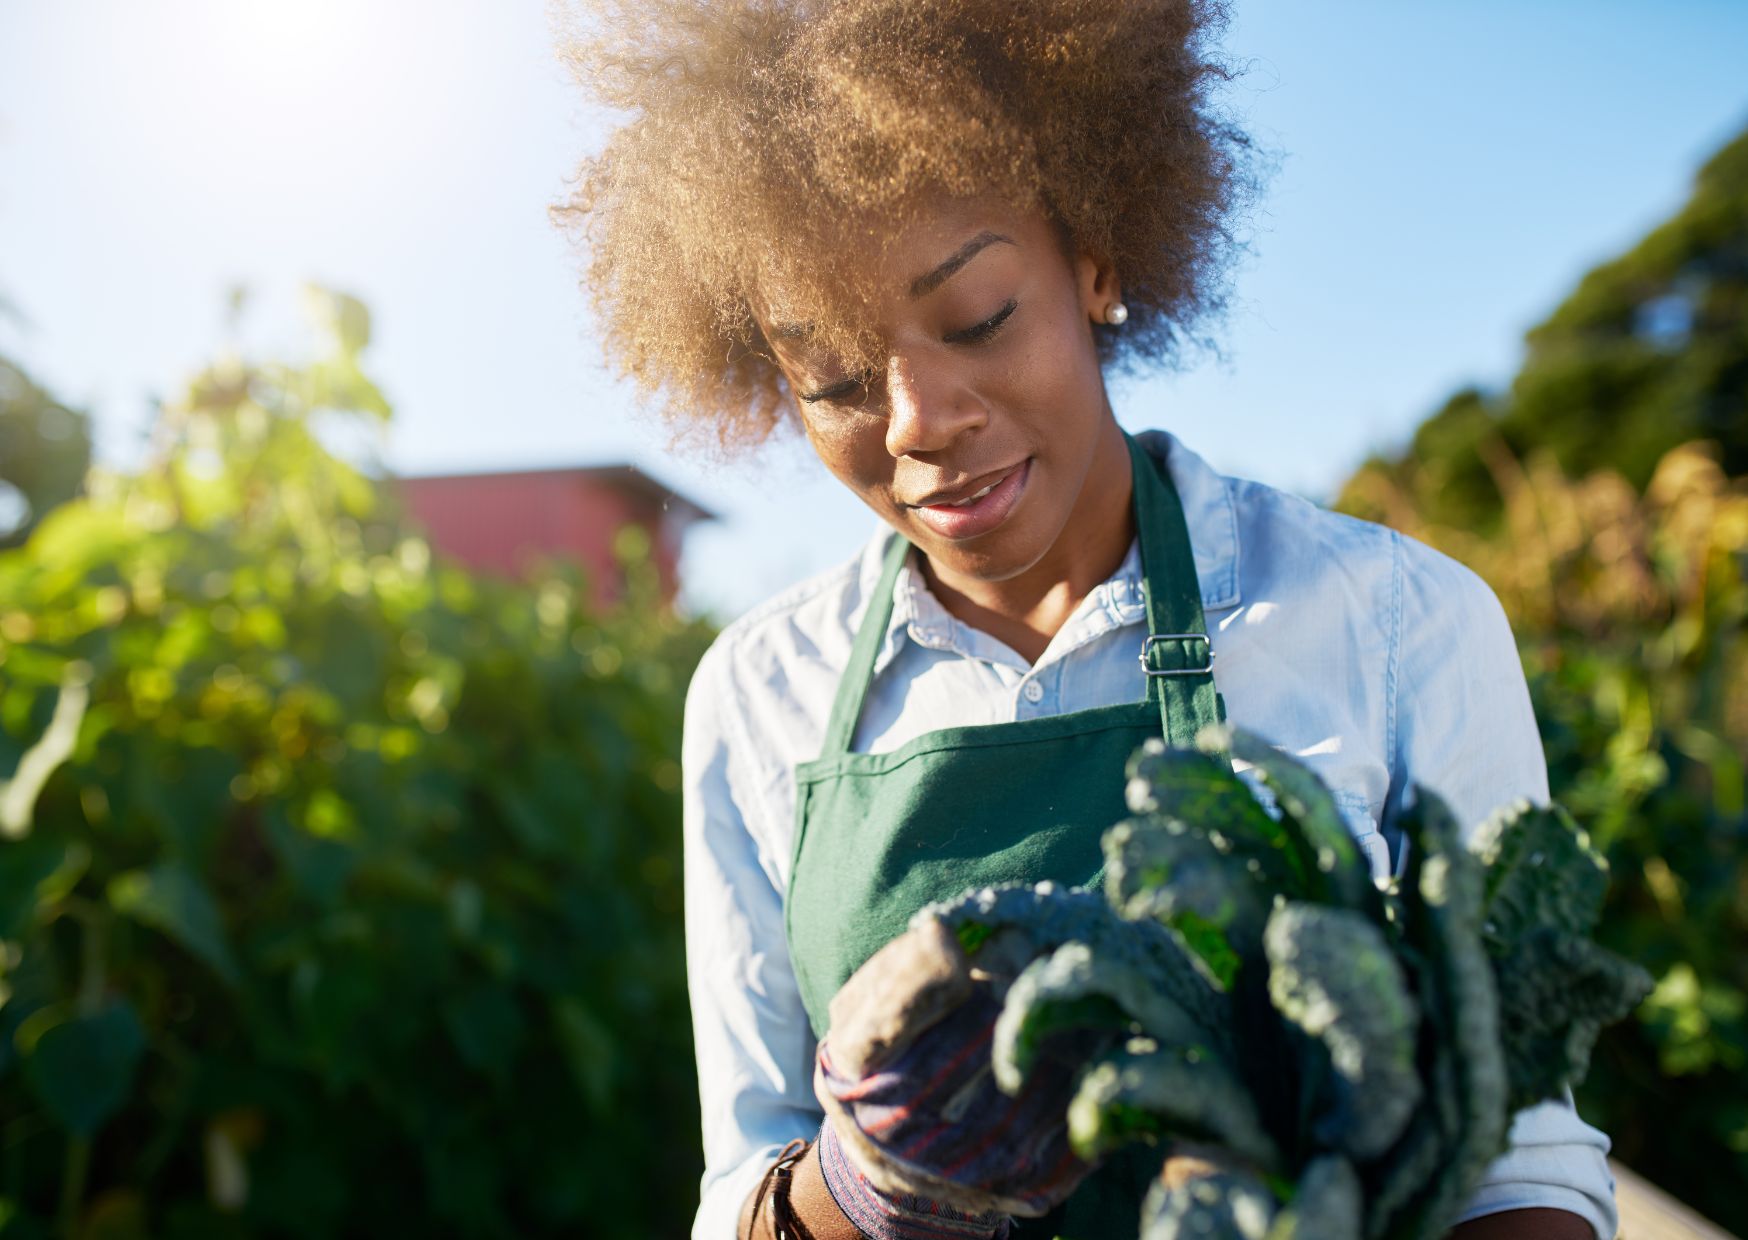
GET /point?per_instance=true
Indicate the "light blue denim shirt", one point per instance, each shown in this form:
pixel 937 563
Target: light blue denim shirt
pixel 1375 659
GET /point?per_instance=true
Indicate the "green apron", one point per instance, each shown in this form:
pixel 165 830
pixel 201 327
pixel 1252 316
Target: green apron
pixel 877 836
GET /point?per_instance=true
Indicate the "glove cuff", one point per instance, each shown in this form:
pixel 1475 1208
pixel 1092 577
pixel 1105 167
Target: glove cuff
pixel 884 1216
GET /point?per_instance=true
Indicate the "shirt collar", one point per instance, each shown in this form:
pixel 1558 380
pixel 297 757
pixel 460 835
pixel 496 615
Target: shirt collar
pixel 1209 511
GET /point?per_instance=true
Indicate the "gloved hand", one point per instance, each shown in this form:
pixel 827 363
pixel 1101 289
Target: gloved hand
pixel 918 1139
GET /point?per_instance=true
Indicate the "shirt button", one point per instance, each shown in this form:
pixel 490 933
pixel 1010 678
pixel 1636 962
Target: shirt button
pixel 1034 691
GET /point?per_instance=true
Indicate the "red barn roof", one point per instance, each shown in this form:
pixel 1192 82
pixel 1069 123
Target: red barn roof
pixel 503 522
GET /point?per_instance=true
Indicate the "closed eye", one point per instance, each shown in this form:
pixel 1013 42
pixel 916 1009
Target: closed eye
pixel 984 330
pixel 837 390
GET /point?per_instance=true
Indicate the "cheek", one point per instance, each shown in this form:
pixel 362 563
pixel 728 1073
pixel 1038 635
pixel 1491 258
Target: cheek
pixel 1059 365
pixel 854 450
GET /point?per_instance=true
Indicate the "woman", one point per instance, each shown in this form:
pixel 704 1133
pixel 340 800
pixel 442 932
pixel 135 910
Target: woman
pixel 923 231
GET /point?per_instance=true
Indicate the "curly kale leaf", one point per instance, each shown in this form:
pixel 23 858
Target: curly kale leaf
pixel 1461 1057
pixel 1164 870
pixel 1557 989
pixel 1327 1203
pixel 1556 992
pixel 1332 975
pixel 1049 915
pixel 1150 1092
pixel 1200 790
pixel 1226 1205
pixel 1542 874
pixel 1074 988
pixel 1338 874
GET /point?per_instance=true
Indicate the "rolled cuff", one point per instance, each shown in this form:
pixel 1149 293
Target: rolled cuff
pixel 1497 1198
pixel 883 1217
pixel 1556 1162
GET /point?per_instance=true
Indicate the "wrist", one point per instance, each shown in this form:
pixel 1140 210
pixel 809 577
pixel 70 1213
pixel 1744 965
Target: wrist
pixel 884 1216
pixel 791 1202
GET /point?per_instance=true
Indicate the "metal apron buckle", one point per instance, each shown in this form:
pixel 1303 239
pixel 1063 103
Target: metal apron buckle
pixel 1204 669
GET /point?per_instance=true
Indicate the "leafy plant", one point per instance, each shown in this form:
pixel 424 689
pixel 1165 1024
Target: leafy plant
pixel 339 889
pixel 1346 1057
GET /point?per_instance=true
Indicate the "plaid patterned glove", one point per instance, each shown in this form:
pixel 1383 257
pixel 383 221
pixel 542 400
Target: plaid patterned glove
pixel 923 1138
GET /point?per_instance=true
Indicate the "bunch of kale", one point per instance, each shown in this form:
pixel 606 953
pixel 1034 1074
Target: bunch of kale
pixel 1343 1055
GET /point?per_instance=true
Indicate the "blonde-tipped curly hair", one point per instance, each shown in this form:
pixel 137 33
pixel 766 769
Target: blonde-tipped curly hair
pixel 766 144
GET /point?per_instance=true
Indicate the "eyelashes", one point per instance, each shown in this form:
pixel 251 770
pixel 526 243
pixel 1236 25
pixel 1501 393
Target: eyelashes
pixel 839 389
pixel 984 330
pixel 976 334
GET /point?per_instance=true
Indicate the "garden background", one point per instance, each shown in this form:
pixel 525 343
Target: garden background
pixel 340 889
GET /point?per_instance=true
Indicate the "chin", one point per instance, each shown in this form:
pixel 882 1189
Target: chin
pixel 999 556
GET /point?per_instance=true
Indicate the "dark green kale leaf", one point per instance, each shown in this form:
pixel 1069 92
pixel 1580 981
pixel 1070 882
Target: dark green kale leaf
pixel 1049 915
pixel 1557 988
pixel 1339 874
pixel 1556 993
pixel 1332 975
pixel 1146 1090
pixel 1461 1058
pixel 1164 870
pixel 1200 790
pixel 1075 988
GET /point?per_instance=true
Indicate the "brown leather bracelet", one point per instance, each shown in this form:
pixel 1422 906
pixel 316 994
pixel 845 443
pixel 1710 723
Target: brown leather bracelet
pixel 791 1191
pixel 771 1199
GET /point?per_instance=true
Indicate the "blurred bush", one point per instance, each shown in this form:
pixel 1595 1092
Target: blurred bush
pixel 339 890
pixel 1630 615
pixel 1618 544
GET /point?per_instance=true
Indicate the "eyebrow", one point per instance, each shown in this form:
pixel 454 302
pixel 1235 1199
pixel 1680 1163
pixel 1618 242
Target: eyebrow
pixel 926 284
pixel 923 285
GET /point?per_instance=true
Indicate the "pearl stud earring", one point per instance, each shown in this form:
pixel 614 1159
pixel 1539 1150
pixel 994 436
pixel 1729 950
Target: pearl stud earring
pixel 1117 314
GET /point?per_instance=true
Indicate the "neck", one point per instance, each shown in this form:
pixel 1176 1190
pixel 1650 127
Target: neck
pixel 1026 611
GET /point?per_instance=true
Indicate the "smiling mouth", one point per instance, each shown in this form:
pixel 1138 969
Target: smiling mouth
pixel 977 513
pixel 970 499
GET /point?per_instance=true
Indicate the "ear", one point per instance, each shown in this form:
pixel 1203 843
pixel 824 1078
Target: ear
pixel 1098 285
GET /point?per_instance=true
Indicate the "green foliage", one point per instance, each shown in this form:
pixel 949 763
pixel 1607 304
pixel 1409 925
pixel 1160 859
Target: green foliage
pixel 1441 914
pixel 1333 978
pixel 1603 498
pixel 339 890
pixel 1149 1090
pixel 1048 916
pixel 45 449
pixel 1651 350
pixel 1351 1074
pixel 1072 985
pixel 81 1067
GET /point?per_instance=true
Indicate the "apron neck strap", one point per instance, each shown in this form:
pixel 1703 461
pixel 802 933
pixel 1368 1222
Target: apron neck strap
pixel 853 686
pixel 1176 656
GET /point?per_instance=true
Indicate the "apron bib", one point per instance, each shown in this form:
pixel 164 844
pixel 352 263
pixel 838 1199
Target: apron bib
pixel 877 836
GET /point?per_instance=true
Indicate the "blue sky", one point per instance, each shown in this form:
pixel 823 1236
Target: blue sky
pixel 1448 170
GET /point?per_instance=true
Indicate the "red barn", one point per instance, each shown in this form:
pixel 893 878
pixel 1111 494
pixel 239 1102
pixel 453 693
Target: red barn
pixel 501 522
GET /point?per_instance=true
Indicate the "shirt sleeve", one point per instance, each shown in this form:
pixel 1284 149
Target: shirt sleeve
pixel 750 1033
pixel 1464 728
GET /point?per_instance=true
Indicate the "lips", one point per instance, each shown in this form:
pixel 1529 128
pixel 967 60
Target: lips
pixel 979 516
pixel 962 493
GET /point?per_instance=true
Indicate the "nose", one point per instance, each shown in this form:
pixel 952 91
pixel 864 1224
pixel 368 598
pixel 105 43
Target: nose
pixel 930 405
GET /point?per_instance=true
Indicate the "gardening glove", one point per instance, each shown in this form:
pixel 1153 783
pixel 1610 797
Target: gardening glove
pixel 918 1140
